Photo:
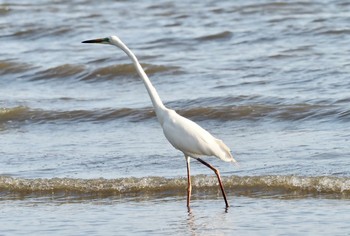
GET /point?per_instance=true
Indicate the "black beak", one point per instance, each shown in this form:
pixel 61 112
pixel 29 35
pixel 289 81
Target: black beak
pixel 102 40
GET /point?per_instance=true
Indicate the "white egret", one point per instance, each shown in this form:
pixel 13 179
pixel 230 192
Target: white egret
pixel 184 134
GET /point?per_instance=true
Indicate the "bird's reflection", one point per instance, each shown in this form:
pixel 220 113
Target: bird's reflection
pixel 192 220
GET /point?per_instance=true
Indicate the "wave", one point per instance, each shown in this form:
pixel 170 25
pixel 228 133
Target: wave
pixel 62 71
pixel 271 185
pixel 26 114
pixel 293 112
pixel 225 35
pixel 341 31
pixel 105 73
pixel 80 72
pixel 122 70
pixel 37 31
pixel 10 67
pixel 296 7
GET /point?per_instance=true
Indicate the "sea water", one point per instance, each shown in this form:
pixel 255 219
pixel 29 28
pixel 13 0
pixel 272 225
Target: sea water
pixel 81 151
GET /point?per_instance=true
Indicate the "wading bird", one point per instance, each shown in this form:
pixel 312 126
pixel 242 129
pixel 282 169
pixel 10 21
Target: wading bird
pixel 184 134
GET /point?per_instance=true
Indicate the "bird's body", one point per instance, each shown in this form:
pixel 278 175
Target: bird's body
pixel 182 133
pixel 195 141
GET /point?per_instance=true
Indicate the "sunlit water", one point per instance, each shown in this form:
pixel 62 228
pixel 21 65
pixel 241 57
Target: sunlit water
pixel 81 150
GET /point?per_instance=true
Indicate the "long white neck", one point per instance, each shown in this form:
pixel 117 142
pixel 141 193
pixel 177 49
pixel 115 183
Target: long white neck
pixel 152 92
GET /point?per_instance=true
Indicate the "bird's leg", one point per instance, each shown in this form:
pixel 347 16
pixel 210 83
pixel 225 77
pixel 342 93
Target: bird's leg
pixel 219 178
pixel 189 186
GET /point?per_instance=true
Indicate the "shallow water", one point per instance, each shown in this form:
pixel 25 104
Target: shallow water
pixel 80 145
pixel 168 215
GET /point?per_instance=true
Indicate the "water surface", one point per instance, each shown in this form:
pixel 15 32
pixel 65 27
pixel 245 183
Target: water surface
pixel 80 147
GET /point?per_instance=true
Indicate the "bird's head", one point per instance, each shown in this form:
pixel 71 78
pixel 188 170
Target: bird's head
pixel 113 40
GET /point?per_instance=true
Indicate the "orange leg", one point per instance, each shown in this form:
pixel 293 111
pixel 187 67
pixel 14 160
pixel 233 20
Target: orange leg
pixel 219 178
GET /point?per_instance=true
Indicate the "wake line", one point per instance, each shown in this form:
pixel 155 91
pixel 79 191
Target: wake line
pixel 267 185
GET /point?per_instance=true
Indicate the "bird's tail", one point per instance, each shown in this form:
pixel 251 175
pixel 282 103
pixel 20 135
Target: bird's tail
pixel 227 152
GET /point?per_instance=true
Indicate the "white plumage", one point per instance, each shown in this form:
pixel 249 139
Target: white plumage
pixel 184 134
pixel 194 141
